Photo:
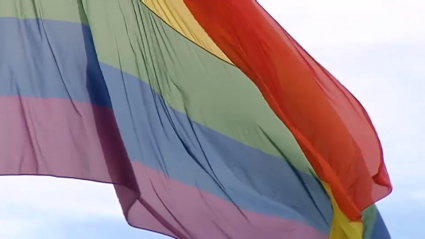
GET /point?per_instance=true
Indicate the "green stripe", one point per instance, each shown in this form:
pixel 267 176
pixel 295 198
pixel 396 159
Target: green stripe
pixel 61 10
pixel 369 217
pixel 191 80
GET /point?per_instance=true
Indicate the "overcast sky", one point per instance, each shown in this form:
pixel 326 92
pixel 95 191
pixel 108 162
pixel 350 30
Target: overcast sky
pixel 376 48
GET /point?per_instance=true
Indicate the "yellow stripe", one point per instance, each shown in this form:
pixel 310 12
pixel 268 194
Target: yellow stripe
pixel 342 227
pixel 177 15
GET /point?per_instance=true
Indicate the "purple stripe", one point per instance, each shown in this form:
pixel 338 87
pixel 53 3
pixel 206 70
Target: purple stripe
pixel 81 141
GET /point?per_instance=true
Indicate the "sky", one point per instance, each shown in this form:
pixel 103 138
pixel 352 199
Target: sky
pixel 376 48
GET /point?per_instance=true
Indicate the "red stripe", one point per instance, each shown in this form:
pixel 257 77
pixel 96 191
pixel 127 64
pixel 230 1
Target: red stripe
pixel 77 140
pixel 330 125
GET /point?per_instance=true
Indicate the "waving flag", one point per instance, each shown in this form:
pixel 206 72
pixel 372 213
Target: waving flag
pixel 208 118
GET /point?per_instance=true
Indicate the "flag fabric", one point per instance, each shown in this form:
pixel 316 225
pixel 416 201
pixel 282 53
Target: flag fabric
pixel 208 118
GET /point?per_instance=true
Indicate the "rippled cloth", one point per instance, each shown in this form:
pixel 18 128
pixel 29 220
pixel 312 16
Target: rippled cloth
pixel 208 118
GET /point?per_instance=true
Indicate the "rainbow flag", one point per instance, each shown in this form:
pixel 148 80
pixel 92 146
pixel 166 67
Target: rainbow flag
pixel 208 117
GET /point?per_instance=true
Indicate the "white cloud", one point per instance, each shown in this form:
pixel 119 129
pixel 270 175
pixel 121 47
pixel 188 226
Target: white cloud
pixel 16 228
pixel 77 199
pixel 30 207
pixel 335 22
pixel 419 195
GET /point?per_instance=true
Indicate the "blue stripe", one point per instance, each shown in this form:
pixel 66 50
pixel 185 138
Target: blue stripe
pixel 380 230
pixel 44 59
pixel 52 59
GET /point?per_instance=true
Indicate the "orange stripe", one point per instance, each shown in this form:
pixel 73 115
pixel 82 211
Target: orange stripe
pixel 331 126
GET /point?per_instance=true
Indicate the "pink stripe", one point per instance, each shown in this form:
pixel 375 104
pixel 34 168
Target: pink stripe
pixel 77 140
pixel 60 137
pixel 206 216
